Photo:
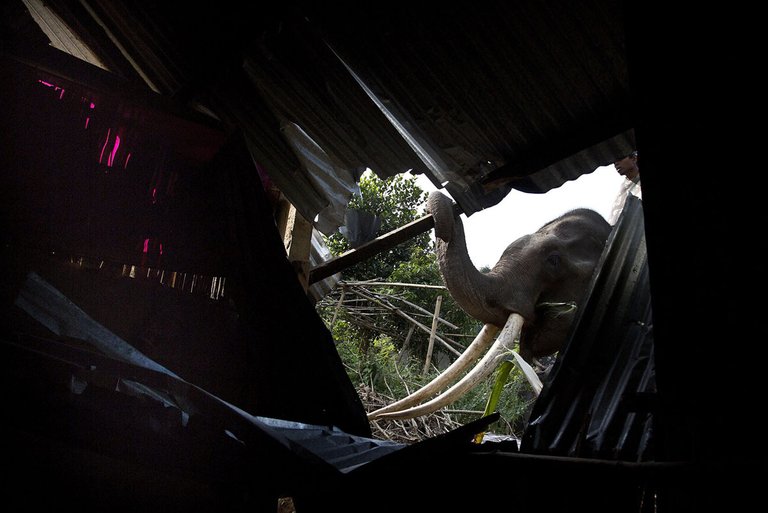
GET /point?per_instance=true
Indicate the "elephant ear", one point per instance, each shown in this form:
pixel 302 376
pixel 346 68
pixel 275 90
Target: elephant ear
pixel 441 208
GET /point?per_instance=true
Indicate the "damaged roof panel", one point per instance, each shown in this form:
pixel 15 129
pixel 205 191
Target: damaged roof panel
pixel 476 95
pixel 600 400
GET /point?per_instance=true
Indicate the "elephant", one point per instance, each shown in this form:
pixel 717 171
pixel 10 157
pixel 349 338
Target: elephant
pixel 532 293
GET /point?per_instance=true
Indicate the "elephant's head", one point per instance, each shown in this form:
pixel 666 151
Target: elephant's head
pixel 532 292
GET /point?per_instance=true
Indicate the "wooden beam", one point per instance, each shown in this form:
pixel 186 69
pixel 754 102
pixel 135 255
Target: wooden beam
pixel 374 247
pixel 395 283
pixel 370 249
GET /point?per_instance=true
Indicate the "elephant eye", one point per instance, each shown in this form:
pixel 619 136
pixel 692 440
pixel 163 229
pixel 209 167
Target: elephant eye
pixel 553 259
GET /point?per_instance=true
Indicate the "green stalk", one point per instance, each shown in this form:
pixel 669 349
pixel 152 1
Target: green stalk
pixel 502 374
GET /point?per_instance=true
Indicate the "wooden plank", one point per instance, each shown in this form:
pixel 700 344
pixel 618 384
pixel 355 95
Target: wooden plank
pixel 370 249
pixel 376 246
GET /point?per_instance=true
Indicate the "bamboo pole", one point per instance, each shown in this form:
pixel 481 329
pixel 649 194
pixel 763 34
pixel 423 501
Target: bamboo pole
pixel 338 306
pixel 397 284
pixel 404 315
pixel 405 349
pixel 412 305
pixel 432 334
pixel 424 310
pixel 376 246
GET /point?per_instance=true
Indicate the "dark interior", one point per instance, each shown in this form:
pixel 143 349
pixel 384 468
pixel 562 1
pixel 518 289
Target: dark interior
pixel 137 207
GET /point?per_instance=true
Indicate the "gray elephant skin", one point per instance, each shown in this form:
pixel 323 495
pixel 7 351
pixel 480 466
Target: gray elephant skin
pixel 542 276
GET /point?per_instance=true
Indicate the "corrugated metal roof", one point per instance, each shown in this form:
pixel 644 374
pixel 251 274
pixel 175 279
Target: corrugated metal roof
pixel 599 399
pixel 493 91
pixel 481 96
pixel 342 451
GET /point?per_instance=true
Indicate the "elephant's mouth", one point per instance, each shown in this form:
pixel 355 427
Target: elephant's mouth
pixel 414 405
pixel 555 308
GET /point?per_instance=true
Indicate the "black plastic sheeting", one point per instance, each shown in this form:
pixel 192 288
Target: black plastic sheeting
pixel 598 400
pixel 360 227
pixel 107 434
pixel 341 450
pixel 103 423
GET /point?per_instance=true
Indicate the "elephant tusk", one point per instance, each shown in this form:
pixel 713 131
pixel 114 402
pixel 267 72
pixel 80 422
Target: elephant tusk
pixel 448 376
pixel 482 370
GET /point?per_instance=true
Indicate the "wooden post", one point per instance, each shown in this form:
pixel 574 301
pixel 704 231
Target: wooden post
pixel 338 305
pixel 405 350
pixel 431 346
pixel 297 239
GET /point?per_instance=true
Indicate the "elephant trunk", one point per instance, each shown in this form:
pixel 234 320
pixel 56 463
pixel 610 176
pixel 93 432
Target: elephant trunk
pixel 470 288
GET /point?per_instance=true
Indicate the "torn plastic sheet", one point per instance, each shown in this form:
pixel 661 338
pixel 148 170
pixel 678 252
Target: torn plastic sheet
pixel 50 307
pixel 360 227
pixel 55 311
pixel 314 448
pixel 337 184
pixel 318 254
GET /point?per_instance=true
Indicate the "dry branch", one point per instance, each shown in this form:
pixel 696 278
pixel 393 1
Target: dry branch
pixel 394 283
pixel 404 315
pixel 409 431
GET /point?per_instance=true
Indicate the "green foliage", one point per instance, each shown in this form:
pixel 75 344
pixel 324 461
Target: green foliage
pixel 421 268
pixel 513 402
pixel 395 201
pixel 378 367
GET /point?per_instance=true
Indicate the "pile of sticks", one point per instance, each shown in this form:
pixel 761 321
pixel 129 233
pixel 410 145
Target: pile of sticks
pixel 407 431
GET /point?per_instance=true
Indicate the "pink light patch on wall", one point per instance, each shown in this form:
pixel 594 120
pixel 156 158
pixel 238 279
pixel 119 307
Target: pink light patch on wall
pixel 88 118
pixel 110 148
pixel 56 89
pixel 111 158
pixel 152 252
pixel 152 245
pixel 104 146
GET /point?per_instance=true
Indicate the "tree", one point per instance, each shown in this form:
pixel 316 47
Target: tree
pixel 395 201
